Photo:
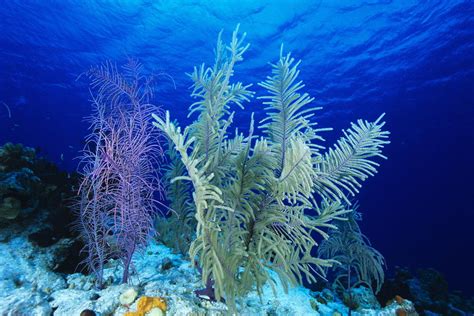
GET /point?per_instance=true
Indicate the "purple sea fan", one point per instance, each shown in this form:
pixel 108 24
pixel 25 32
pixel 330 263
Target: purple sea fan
pixel 116 207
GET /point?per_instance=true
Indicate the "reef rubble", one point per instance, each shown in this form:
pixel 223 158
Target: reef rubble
pixel 28 286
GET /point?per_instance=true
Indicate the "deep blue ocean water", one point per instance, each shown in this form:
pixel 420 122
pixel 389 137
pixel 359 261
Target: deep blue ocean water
pixel 412 60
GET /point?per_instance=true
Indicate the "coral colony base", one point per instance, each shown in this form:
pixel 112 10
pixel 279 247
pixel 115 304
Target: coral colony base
pixel 249 218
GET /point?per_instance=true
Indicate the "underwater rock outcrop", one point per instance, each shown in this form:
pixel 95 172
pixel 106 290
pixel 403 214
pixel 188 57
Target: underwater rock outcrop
pixel 35 193
pixel 28 286
pixel 428 290
pixel 35 238
pixel 26 276
pixel 19 186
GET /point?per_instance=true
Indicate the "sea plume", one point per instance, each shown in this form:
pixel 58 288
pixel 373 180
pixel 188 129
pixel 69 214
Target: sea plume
pixel 116 205
pixel 258 200
pixel 358 262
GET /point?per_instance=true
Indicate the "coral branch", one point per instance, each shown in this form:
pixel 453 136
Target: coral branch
pixel 117 208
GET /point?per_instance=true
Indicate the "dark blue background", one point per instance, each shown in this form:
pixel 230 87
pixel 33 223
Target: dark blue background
pixel 413 61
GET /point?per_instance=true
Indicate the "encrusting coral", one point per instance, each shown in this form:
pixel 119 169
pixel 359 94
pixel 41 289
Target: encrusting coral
pixel 259 200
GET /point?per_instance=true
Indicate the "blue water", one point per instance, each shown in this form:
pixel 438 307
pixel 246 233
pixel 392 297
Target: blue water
pixel 413 60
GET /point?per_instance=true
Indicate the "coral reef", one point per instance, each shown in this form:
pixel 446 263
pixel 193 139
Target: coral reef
pixel 37 280
pixel 258 201
pixel 16 156
pixel 19 186
pixel 32 282
pixel 29 287
pixel 26 276
pixel 116 208
pixel 36 244
pixel 428 290
pixel 33 190
pixel 326 302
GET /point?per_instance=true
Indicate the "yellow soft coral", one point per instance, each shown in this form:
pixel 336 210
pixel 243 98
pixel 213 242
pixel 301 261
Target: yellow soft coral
pixel 146 303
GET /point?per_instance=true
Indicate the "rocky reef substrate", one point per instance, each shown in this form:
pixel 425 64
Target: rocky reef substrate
pixel 40 271
pixel 29 286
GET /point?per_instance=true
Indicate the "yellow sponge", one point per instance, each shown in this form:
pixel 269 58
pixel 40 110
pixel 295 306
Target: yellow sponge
pixel 146 303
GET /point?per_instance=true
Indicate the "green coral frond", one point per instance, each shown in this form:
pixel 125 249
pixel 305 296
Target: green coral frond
pixel 205 193
pixel 296 177
pixel 281 239
pixel 178 229
pixel 258 201
pixel 342 169
pixel 327 214
pixel 354 254
pixel 208 201
pixel 215 94
pixel 288 109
